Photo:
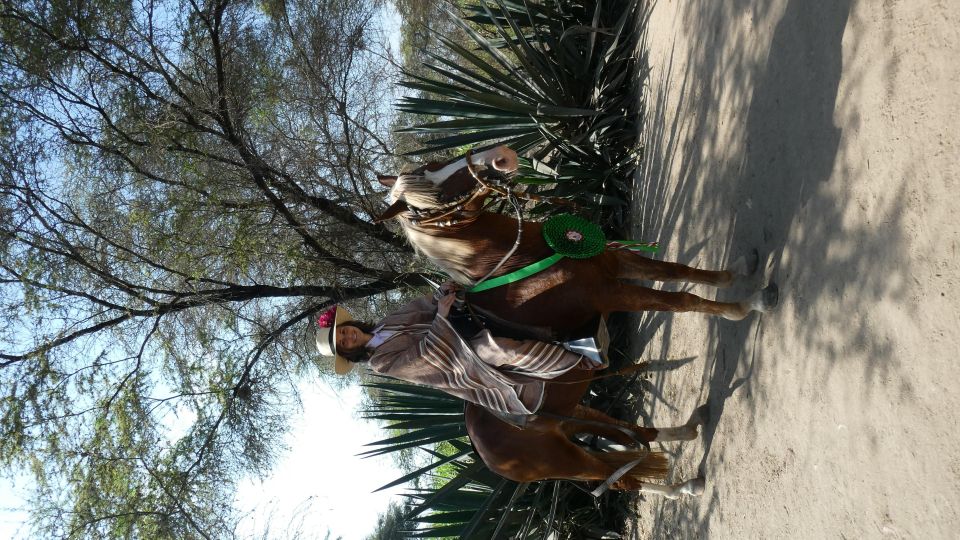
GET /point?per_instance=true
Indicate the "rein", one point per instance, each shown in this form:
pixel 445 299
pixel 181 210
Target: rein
pixel 511 197
pixel 512 250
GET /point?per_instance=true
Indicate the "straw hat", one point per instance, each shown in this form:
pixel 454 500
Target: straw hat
pixel 326 344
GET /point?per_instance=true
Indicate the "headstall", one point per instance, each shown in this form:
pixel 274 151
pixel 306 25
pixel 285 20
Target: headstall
pixel 434 216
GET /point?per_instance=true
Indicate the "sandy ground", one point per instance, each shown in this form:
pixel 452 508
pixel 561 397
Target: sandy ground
pixel 823 133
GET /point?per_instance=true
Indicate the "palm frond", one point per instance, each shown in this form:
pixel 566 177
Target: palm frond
pixel 555 80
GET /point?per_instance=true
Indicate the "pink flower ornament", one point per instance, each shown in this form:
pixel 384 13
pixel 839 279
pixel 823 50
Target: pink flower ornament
pixel 574 236
pixel 326 320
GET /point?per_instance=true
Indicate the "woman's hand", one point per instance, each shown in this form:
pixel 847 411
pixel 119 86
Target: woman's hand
pixel 444 304
pixel 450 287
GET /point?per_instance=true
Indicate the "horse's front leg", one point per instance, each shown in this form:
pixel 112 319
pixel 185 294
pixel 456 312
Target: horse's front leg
pixel 635 266
pixel 628 297
pixel 686 432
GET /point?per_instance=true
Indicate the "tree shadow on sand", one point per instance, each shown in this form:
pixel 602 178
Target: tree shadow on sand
pixel 767 196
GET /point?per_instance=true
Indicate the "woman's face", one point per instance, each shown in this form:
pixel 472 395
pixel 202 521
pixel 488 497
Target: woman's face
pixel 350 338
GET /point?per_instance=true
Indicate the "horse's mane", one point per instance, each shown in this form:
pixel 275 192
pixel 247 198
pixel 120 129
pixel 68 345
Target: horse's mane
pixel 417 190
pixel 451 254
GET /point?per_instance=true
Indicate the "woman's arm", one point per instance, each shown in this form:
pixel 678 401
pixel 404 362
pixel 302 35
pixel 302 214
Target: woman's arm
pixel 402 353
pixel 419 310
pixel 440 359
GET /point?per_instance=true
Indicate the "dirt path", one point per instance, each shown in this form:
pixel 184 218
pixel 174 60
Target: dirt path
pixel 825 134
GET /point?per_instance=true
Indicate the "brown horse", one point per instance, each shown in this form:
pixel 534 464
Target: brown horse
pixel 546 449
pixel 441 210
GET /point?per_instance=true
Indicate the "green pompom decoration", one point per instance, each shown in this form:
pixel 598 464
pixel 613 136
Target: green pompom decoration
pixel 574 237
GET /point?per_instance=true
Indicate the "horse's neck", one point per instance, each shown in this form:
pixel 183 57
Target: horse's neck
pixel 496 234
pixel 467 252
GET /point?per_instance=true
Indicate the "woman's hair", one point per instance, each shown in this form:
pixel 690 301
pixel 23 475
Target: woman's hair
pixel 362 354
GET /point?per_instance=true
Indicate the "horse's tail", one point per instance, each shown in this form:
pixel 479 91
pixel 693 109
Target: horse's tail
pixel 653 466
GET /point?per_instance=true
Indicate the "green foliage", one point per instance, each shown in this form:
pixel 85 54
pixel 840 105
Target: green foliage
pixel 391 525
pixel 555 81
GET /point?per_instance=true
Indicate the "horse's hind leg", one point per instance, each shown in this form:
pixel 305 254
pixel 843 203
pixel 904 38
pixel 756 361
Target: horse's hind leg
pixel 636 266
pixel 687 431
pixel 604 425
pixel 528 458
pixel 573 463
pixel 551 458
pixel 692 487
pixel 638 478
pixel 628 297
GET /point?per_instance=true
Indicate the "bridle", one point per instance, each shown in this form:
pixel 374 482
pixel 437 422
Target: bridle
pixel 512 199
pixel 436 216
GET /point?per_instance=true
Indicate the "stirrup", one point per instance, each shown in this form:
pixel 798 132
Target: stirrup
pixel 594 348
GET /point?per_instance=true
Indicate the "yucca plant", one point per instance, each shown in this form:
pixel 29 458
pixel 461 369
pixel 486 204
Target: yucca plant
pixel 555 81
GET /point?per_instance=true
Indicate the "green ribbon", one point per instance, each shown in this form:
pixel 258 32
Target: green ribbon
pixel 517 275
pixel 543 264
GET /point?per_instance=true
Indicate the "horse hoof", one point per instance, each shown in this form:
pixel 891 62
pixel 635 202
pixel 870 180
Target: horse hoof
pixel 694 487
pixel 764 300
pixel 701 415
pixel 771 296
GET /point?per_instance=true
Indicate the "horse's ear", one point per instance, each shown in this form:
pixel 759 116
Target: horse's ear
pixel 387 181
pixel 392 212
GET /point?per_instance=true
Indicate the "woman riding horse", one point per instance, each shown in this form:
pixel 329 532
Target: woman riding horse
pixel 521 430
pixel 419 344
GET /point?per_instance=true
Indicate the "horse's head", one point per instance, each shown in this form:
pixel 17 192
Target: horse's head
pixel 439 192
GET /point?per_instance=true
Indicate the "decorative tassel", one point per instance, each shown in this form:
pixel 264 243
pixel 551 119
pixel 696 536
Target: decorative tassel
pixel 649 247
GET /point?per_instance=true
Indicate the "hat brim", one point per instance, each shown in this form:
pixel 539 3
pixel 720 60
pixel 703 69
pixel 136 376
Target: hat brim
pixel 327 345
